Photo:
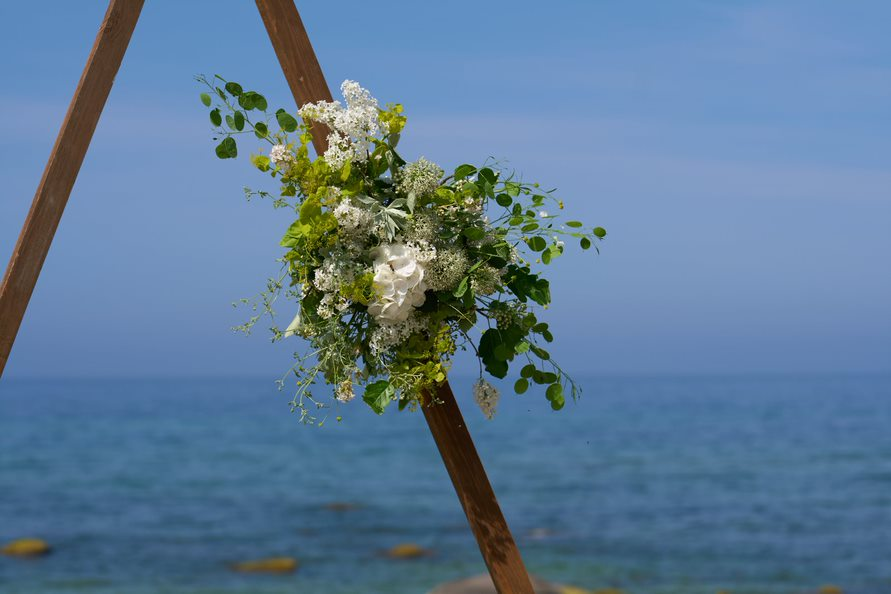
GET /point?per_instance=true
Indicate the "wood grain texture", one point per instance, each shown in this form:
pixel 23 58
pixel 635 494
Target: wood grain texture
pixel 298 59
pixel 62 168
pixel 466 470
pixel 500 552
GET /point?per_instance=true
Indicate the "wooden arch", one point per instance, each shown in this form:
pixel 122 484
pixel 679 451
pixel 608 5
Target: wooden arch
pixel 307 82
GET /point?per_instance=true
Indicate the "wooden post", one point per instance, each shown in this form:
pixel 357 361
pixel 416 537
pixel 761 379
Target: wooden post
pixel 62 168
pixel 500 552
pixel 466 470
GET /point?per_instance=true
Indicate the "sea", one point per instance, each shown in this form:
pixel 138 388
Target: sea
pixel 647 484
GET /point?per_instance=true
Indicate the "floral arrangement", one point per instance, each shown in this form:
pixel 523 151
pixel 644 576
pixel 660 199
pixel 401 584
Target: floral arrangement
pixel 393 266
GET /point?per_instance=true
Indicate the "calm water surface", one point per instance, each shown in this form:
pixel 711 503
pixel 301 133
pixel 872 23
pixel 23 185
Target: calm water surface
pixel 654 485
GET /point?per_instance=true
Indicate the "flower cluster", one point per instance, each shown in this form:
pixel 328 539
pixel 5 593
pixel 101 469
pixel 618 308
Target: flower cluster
pixel 393 265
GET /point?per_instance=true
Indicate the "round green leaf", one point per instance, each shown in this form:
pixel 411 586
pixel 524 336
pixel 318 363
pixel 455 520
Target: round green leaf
pixel 215 118
pixel 234 89
pixel 205 99
pixel 503 200
pixel 585 243
pixel 537 243
pixel 600 232
pixel 554 394
pixel 521 386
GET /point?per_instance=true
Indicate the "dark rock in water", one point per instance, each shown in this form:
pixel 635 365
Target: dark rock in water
pixel 26 547
pixel 270 565
pixel 341 506
pixel 482 584
pixel 408 550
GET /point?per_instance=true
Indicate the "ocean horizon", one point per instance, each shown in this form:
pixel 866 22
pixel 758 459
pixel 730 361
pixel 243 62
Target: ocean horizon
pixel 663 484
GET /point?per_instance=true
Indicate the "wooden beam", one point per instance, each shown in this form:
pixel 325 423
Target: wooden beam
pixel 298 59
pixel 500 552
pixel 62 168
pixel 466 470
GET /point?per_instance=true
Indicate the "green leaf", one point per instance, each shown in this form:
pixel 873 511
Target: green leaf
pixel 600 232
pixel 573 224
pixel 536 243
pixel 521 386
pixel 503 200
pixel 261 130
pixel 234 88
pixel 527 370
pixel 205 99
pixel 239 121
pixel 529 227
pixel 540 352
pixel 462 171
pixel 462 287
pixel 260 102
pixel 554 394
pixel 474 233
pixel 546 257
pixel 503 352
pixel 585 243
pixel 215 118
pixel 488 343
pixel 488 175
pixel 252 100
pixel 261 162
pixel 378 395
pixel 227 149
pixel 287 122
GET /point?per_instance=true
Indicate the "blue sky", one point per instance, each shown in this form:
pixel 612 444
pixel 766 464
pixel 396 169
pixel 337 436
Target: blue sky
pixel 738 153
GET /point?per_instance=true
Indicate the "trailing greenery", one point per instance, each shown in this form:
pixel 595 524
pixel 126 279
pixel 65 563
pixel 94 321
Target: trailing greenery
pixel 394 266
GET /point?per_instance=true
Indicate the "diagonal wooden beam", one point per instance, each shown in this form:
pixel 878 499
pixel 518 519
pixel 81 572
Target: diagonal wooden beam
pixel 500 552
pixel 62 168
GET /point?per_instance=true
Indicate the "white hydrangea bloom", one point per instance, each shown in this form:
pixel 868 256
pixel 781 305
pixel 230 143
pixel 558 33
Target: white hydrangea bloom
pixel 486 396
pixel 398 282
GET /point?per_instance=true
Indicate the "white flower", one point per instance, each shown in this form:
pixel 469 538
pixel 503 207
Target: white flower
pixel 419 178
pixel 486 396
pixel 351 126
pixel 543 214
pixel 344 391
pixel 398 282
pixel 281 157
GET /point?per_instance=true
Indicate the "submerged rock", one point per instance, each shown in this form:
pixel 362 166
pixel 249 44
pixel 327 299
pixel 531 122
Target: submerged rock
pixel 408 550
pixel 26 547
pixel 482 584
pixel 271 565
pixel 341 506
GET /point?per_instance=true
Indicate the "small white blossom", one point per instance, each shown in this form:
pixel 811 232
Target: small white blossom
pixel 344 392
pixel 543 214
pixel 281 157
pixel 351 126
pixel 486 396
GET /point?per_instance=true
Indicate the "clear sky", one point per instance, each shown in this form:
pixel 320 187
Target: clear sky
pixel 738 153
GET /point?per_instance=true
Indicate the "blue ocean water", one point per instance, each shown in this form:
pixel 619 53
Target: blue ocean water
pixel 654 485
